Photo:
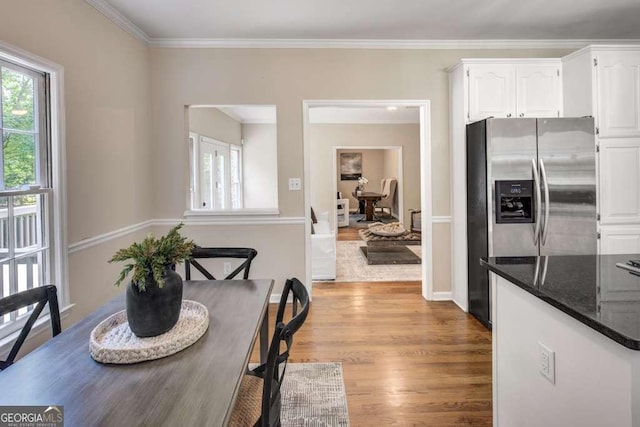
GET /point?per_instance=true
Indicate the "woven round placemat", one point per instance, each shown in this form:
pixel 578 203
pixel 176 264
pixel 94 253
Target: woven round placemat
pixel 113 342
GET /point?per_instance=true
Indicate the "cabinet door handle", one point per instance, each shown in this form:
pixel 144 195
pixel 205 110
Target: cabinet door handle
pixel 508 115
pixel 521 114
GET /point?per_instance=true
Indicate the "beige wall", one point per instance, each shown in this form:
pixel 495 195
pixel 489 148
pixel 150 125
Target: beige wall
pixel 324 137
pixel 372 169
pixel 215 124
pixel 260 165
pixel 286 77
pixel 126 128
pixel 108 123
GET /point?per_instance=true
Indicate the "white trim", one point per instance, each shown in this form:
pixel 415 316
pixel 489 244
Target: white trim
pixel 425 179
pixel 594 47
pixel 103 238
pixel 441 219
pixel 399 178
pixel 239 220
pixel 235 220
pixel 442 296
pixel 377 44
pixel 58 158
pixel 231 212
pixel 119 19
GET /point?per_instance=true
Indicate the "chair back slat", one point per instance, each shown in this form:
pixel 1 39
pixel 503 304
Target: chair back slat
pixel 40 296
pixel 248 254
pixel 270 371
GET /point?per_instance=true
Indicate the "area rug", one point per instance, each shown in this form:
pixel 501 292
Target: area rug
pixel 351 266
pixel 313 395
pixel 353 220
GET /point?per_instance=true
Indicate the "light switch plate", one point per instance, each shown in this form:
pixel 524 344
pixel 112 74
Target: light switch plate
pixel 294 184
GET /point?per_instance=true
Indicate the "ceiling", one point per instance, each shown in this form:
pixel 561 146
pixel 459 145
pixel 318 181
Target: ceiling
pixel 376 20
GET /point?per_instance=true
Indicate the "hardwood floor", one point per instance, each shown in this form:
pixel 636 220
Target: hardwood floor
pixel 405 361
pixel 348 233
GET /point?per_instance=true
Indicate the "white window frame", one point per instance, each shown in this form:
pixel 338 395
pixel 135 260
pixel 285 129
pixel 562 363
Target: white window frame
pixel 195 146
pixel 57 192
pixel 237 148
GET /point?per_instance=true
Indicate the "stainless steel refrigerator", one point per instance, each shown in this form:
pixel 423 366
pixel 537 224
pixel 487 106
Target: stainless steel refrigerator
pixel 531 190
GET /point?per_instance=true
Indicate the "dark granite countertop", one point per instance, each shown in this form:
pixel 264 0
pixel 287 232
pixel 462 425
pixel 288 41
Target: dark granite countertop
pixel 589 288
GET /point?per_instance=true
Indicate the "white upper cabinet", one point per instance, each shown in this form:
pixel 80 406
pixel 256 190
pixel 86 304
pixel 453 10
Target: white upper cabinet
pixel 491 91
pixel 538 89
pixel 512 89
pixel 620 181
pixel 618 80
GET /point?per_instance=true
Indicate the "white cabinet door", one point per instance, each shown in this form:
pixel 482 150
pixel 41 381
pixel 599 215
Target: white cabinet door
pixel 619 240
pixel 538 90
pixel 620 181
pixel 618 75
pixel 491 91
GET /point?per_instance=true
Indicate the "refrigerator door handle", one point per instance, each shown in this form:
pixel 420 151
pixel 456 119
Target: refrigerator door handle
pixel 538 213
pixel 545 225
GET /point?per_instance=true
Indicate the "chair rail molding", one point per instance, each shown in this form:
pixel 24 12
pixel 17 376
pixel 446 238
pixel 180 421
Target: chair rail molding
pixel 224 220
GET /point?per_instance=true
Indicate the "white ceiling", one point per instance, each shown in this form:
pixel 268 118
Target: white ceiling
pixel 368 115
pixel 251 113
pixel 377 20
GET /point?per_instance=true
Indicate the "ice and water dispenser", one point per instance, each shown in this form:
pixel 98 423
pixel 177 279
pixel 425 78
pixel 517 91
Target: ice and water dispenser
pixel 514 202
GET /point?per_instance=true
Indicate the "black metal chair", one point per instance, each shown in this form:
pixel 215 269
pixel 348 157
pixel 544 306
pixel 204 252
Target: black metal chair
pixel 39 296
pixel 248 254
pixel 259 399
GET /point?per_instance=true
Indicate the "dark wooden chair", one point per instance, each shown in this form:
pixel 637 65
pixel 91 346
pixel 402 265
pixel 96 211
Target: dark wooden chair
pixel 40 297
pixel 258 402
pixel 416 221
pixel 248 254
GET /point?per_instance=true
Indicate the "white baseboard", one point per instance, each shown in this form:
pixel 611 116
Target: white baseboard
pixel 442 296
pixel 275 298
pixel 462 306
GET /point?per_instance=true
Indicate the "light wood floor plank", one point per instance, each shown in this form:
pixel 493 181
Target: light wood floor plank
pixel 405 361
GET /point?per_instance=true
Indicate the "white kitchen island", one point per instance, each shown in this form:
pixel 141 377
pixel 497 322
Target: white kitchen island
pixel 579 313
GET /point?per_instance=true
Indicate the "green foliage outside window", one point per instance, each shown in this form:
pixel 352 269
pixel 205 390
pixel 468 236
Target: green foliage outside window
pixel 18 124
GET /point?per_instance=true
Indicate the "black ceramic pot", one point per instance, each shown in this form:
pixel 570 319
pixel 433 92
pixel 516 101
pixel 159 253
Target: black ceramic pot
pixel 156 310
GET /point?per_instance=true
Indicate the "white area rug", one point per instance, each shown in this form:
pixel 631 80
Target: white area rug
pixel 313 394
pixel 351 266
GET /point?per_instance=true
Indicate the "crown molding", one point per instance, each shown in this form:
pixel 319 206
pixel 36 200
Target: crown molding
pixel 378 44
pixel 127 25
pixel 119 19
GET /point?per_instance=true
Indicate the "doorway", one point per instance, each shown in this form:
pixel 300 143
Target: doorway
pixel 424 180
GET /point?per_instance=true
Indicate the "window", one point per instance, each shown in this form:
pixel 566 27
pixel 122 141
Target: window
pixel 233 160
pixel 236 176
pixel 215 182
pixel 25 185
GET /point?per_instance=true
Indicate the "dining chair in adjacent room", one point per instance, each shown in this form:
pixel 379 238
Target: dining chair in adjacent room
pixel 39 296
pixel 199 253
pixel 388 192
pixel 259 398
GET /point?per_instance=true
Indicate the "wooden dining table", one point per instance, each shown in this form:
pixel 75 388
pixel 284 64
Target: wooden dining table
pixel 196 386
pixel 369 198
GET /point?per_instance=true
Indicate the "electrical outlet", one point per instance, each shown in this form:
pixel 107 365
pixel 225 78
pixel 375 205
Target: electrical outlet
pixel 295 184
pixel 547 362
pixel 227 268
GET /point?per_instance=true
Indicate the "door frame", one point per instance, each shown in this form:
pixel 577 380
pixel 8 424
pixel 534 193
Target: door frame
pixel 400 177
pixel 425 180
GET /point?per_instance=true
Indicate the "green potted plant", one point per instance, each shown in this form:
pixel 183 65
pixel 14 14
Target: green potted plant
pixel 154 295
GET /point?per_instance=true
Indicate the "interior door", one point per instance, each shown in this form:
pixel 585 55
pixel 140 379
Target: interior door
pixel 566 151
pixel 214 174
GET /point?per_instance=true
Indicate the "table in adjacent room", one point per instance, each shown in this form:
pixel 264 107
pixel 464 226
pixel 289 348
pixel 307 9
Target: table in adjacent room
pixel 370 198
